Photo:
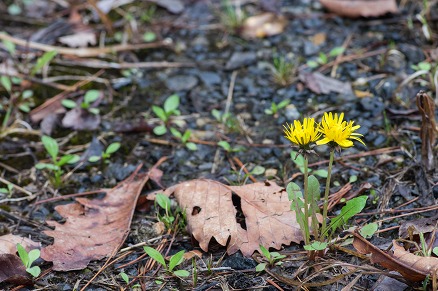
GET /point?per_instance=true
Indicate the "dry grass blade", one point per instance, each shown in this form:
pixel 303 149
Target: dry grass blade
pixel 428 129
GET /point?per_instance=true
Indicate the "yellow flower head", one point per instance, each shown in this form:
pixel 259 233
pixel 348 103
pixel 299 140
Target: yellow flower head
pixel 338 131
pixel 302 134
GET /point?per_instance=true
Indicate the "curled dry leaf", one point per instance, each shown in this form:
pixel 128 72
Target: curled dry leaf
pixel 360 8
pixel 263 25
pixel 211 213
pixel 94 228
pixel 428 129
pixel 412 267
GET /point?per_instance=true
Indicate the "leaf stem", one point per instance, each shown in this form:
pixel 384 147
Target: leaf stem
pixel 306 201
pixel 327 191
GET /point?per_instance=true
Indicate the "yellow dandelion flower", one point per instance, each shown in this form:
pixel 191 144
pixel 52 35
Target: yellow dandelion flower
pixel 302 134
pixel 338 131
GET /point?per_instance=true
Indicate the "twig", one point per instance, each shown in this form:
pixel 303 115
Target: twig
pixel 28 193
pixel 230 95
pixel 121 66
pixel 338 58
pixel 85 52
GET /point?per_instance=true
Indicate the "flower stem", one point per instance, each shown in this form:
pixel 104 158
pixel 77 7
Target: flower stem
pixel 327 191
pixel 306 201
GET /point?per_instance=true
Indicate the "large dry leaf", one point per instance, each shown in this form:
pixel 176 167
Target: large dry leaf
pixel 94 228
pixel 428 129
pixel 358 8
pixel 211 214
pixel 412 267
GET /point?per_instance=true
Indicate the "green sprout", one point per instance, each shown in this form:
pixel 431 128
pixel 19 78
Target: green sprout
pixel 228 148
pixel 184 138
pixel 52 148
pixel 283 71
pixel 174 261
pixel 273 258
pixel 323 59
pixel 89 97
pixel 275 107
pixel 111 149
pixel 169 109
pixel 28 258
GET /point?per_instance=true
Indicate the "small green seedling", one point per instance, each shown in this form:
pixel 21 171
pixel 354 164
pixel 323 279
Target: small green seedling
pixel 299 161
pixel 231 16
pixel 227 147
pixel 422 66
pixel 368 230
pixel 273 258
pixel 164 202
pixel 52 149
pixel 124 277
pixel 174 261
pixel 275 107
pixel 184 138
pixel 164 113
pixel 28 259
pixel 7 190
pixel 89 97
pixel 111 149
pixel 283 71
pixel 323 59
pixel 43 61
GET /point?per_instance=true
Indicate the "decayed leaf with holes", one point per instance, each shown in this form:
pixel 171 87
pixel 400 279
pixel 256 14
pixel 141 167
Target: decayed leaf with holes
pixel 428 129
pixel 412 267
pixel 212 214
pixel 360 8
pixel 94 228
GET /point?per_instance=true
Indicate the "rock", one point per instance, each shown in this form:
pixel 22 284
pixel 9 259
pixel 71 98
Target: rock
pixel 181 83
pixel 292 112
pixel 240 59
pixel 210 78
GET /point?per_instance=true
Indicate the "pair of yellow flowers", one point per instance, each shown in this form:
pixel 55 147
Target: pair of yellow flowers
pixel 333 129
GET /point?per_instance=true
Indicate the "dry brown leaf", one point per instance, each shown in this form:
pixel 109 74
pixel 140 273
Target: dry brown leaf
pixel 360 8
pixel 8 243
pixel 12 270
pixel 321 84
pixel 428 130
pixel 263 25
pixel 211 214
pixel 94 228
pixel 412 267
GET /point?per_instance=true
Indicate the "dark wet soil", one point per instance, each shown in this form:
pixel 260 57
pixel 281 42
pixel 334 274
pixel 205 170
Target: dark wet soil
pixel 212 58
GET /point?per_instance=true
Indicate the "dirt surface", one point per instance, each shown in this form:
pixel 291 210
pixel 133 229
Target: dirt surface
pixel 196 52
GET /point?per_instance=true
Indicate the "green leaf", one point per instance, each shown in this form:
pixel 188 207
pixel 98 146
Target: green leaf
pixel 68 159
pixel 112 148
pixel 258 170
pixel 322 58
pixel 42 61
pixel 67 103
pixel 93 159
pixel 316 246
pixel 175 132
pixel 225 145
pixel 216 114
pixel 4 191
pixel 352 179
pixel 298 160
pixel 51 146
pixel 314 188
pixel 6 83
pixel 321 173
pixel 160 113
pixel 336 51
pixel 368 230
pixel 160 130
pixel 176 259
pixel 124 277
pixel 14 9
pixel 191 146
pixel 181 273
pixel 33 256
pixel 294 191
pixel 435 251
pixel 24 107
pixel 27 94
pixel 163 201
pixel 186 136
pixel 265 252
pixel 283 103
pixel 10 46
pixel 94 111
pixel 171 104
pixel 277 255
pixel 91 96
pixel 260 267
pixel 269 112
pixel 23 255
pixel 41 166
pixel 424 66
pixel 156 255
pixel 351 208
pixel 35 271
pixel 149 36
pixel 312 64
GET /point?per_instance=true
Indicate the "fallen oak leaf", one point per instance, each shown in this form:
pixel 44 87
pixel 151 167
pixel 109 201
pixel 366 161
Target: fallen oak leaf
pixel 360 8
pixel 8 243
pixel 13 271
pixel 212 214
pixel 94 228
pixel 410 266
